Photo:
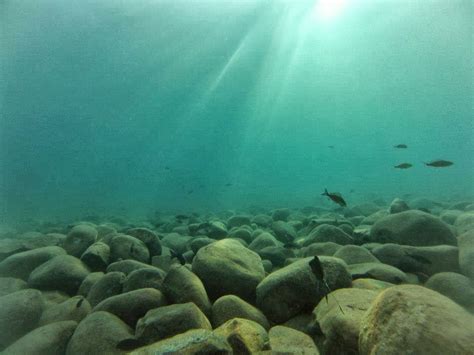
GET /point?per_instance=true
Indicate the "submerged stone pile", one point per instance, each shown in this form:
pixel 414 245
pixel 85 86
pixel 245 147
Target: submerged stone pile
pixel 395 280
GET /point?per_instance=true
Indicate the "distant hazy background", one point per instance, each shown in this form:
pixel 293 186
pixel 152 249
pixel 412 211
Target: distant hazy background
pixel 129 106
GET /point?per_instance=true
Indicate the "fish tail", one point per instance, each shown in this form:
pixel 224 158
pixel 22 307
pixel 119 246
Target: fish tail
pixel 335 299
pixel 325 193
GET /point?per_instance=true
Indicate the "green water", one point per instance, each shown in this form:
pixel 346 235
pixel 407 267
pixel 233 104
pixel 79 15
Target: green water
pixel 134 106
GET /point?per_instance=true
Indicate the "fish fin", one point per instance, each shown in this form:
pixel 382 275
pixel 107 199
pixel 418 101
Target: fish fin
pixel 325 193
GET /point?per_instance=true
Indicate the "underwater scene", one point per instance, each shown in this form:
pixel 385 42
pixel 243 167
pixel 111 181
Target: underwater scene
pixel 236 177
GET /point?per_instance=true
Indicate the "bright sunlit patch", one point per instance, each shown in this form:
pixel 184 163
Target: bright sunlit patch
pixel 328 9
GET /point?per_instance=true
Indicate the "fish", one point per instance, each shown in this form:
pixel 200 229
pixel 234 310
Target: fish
pixel 190 192
pixel 167 168
pixel 181 217
pixel 318 271
pixel 228 184
pixel 335 197
pixel 403 166
pixel 331 146
pixel 400 146
pixel 79 303
pixel 439 163
pixel 178 256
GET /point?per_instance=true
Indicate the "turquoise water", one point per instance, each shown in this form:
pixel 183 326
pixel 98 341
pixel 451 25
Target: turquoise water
pixel 136 106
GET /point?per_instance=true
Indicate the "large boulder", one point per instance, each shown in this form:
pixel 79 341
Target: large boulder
pixel 51 339
pixel 238 220
pixel 354 254
pixel 263 240
pixel 262 220
pixel 412 228
pixel 133 305
pixel 10 284
pixel 277 255
pixel 377 271
pixel 397 206
pixel 99 333
pixel 177 242
pixel 19 313
pixel 75 309
pixel 9 247
pixel 295 289
pixel 21 265
pixel 111 284
pixel 227 267
pixel 284 231
pixel 79 238
pixel 245 336
pixel 341 328
pixel 88 282
pixel 230 306
pixel 328 233
pixel 427 260
pixel 63 273
pixel 148 237
pixel 374 217
pixel 124 247
pixel 197 243
pixel 97 256
pixel 194 341
pixel 466 253
pixel 144 278
pixel 181 286
pixel 167 321
pixel 464 222
pixel 285 340
pixel 415 320
pixel 455 286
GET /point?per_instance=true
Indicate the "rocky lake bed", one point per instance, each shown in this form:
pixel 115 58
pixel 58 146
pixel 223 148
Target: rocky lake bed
pixel 397 278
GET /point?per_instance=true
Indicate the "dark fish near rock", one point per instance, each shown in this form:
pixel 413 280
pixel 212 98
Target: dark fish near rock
pixel 439 163
pixel 178 256
pixel 335 197
pixel 181 217
pixel 403 166
pixel 400 146
pixel 318 271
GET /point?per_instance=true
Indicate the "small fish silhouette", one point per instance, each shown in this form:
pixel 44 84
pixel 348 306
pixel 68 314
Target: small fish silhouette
pixel 439 163
pixel 400 146
pixel 403 166
pixel 335 197
pixel 318 271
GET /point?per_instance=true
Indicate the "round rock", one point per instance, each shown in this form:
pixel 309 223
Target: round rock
pixel 63 273
pixel 412 228
pixel 227 267
pixel 182 286
pixel 79 238
pixel 415 320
